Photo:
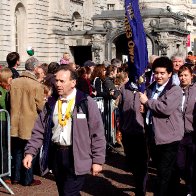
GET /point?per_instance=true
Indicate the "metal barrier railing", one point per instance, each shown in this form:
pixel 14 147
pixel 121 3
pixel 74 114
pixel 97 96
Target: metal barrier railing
pixel 108 112
pixel 5 149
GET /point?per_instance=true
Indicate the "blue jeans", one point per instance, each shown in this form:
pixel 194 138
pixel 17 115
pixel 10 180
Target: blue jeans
pixel 19 172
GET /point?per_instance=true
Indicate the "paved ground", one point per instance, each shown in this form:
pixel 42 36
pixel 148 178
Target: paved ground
pixel 114 181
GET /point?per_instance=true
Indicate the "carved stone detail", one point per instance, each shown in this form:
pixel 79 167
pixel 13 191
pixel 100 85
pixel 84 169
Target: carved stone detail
pixel 107 25
pixel 163 43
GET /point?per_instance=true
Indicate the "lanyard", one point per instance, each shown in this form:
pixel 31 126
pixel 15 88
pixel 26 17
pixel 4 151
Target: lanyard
pixel 62 121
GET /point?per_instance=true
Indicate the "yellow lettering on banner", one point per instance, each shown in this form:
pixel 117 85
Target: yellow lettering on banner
pixel 128 34
pixel 131 44
pixel 126 20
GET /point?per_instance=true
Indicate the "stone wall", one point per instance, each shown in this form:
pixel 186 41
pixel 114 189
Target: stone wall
pixel 51 27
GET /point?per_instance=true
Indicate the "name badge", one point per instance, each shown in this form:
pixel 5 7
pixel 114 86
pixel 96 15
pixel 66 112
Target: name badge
pixel 81 116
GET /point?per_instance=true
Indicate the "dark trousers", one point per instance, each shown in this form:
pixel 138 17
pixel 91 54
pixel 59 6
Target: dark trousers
pixel 166 155
pixel 185 160
pixel 151 145
pixel 19 172
pixel 137 159
pixel 194 176
pixel 67 182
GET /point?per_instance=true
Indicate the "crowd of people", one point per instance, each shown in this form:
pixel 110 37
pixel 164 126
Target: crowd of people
pixel 55 119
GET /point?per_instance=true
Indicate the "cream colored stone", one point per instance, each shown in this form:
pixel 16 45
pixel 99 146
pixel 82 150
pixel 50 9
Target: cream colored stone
pixel 52 27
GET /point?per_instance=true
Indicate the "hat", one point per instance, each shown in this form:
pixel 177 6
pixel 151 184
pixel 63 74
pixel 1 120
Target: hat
pixel 30 51
pixel 89 63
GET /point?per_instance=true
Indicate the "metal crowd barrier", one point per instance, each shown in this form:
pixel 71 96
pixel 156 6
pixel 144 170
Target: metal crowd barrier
pixel 109 114
pixel 5 149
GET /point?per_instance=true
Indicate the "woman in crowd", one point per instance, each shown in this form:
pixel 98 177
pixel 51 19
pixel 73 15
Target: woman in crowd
pixel 121 79
pixel 111 72
pixel 49 80
pixel 97 78
pixel 41 72
pixel 5 81
pixel 187 147
pixel 83 82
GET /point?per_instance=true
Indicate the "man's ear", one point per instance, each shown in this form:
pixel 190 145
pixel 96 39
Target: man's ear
pixel 170 74
pixel 73 83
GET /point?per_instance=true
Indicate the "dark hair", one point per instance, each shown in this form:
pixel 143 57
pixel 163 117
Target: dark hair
pixel 190 53
pixel 52 67
pixel 163 62
pixel 98 72
pixel 116 62
pixel 88 70
pixel 184 68
pixel 81 71
pixel 110 69
pixel 73 74
pixel 12 58
pixel 44 66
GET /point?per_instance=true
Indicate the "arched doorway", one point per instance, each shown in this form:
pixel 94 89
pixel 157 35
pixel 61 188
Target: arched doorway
pixel 150 46
pixel 121 46
pixel 20 30
pixel 122 49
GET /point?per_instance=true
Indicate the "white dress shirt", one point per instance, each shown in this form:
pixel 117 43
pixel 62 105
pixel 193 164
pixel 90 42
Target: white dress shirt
pixel 63 135
pixel 175 79
pixel 183 99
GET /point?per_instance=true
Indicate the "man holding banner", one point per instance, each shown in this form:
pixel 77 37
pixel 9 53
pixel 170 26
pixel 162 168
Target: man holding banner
pixel 131 118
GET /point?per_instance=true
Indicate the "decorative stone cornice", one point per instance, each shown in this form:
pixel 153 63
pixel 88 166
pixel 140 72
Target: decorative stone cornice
pixel 61 19
pixel 171 29
pixel 161 13
pixel 78 1
pixel 68 33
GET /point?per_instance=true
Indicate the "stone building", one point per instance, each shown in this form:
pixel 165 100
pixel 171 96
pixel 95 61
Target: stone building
pixel 90 29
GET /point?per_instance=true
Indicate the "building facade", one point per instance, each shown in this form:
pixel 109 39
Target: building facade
pixel 90 29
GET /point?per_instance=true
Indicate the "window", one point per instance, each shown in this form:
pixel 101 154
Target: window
pixel 110 6
pixel 77 23
pixel 20 30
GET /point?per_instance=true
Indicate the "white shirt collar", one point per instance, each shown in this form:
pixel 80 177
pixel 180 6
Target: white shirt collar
pixel 160 88
pixel 70 96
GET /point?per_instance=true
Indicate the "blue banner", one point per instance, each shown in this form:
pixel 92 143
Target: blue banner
pixel 137 46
